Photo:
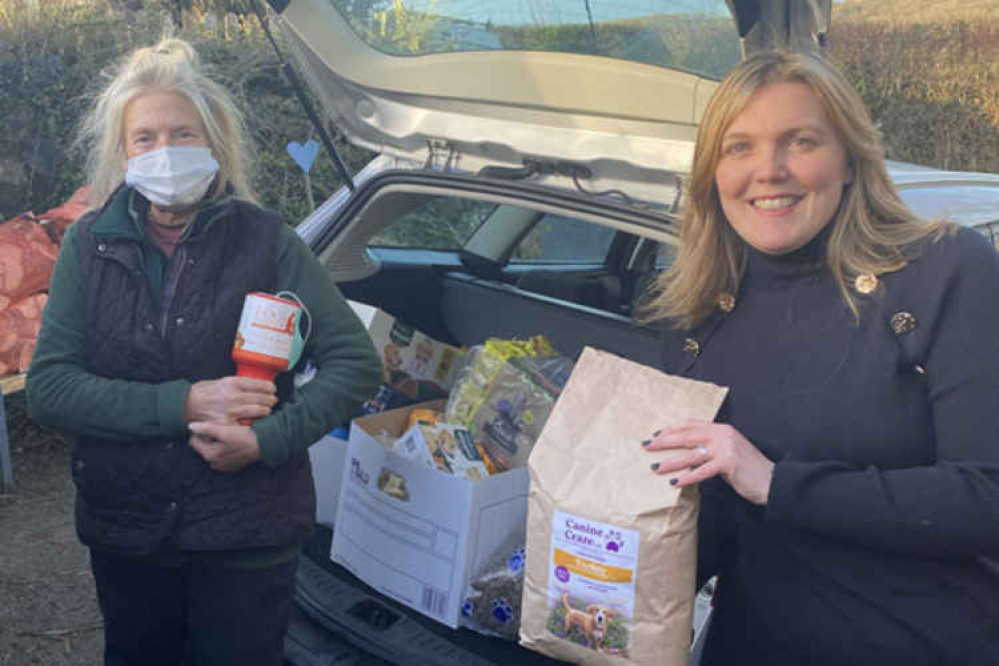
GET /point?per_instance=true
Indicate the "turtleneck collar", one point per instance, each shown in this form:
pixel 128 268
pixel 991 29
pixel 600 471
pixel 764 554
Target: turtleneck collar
pixel 769 269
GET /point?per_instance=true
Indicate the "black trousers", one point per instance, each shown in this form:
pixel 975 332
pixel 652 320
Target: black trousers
pixel 193 615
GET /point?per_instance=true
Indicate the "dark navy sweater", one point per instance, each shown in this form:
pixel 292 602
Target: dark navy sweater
pixel 879 543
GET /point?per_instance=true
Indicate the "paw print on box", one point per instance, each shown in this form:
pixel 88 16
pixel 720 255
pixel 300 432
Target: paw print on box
pixel 614 541
pixel 502 610
pixel 517 560
pixel 467 608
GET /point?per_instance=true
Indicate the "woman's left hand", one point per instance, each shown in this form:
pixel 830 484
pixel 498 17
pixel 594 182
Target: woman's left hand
pixel 226 448
pixel 714 449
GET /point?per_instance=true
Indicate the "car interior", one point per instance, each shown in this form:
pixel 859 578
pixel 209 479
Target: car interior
pixel 464 266
pixel 464 259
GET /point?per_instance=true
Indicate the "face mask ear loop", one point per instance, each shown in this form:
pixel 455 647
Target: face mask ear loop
pixel 292 296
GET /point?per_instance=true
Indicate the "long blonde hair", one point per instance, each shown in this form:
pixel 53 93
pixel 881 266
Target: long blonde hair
pixel 873 232
pixel 172 65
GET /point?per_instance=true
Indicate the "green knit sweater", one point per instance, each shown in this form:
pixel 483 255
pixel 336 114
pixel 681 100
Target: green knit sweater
pixel 61 393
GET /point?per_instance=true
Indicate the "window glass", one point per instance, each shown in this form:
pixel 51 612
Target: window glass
pixel 557 239
pixel 691 35
pixel 442 223
pixel 968 205
pixel 665 255
pixel 991 231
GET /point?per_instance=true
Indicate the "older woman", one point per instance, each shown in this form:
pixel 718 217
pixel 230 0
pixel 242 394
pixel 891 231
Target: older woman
pixel 851 485
pixel 194 538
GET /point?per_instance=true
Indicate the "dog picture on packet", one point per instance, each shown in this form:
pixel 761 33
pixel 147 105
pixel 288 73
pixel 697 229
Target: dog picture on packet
pixel 591 625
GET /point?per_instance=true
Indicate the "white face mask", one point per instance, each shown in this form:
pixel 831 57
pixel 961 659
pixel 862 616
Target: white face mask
pixel 173 176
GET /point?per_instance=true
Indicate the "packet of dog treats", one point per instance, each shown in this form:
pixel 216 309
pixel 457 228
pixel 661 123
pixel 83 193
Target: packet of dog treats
pixel 612 548
pixel 505 393
pixel 445 447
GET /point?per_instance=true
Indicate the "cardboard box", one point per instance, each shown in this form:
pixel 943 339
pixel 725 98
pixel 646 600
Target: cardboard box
pixel 417 534
pixel 327 456
pixel 416 364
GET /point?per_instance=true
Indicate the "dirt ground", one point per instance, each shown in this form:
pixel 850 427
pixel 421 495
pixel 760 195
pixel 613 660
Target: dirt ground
pixel 48 608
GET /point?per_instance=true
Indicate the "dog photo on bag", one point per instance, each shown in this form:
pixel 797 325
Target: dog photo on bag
pixel 611 548
pixel 590 627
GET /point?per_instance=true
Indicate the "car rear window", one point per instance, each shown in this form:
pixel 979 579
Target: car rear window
pixel 442 223
pixel 696 36
pixel 558 239
pixel 968 205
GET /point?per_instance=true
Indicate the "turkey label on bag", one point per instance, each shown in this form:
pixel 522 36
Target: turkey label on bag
pixel 612 547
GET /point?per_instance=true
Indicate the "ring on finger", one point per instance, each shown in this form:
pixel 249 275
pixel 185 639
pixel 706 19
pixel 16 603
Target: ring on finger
pixel 702 451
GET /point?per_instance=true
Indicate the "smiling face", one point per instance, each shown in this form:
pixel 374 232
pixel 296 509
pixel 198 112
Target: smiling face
pixel 782 169
pixel 161 118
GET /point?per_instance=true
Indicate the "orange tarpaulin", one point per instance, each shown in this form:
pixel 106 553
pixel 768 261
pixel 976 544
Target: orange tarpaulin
pixel 27 255
pixel 60 217
pixel 19 326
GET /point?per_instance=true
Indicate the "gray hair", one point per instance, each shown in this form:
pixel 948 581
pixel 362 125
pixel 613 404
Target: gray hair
pixel 172 65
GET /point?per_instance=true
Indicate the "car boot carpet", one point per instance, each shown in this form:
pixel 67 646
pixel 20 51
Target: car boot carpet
pixel 307 643
pixel 356 613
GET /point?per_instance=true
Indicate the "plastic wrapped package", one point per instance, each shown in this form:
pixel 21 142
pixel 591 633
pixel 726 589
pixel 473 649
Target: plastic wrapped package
pixel 492 600
pixel 505 394
pixel 484 363
pixel 444 447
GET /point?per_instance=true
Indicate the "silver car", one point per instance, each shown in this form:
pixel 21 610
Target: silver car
pixel 531 163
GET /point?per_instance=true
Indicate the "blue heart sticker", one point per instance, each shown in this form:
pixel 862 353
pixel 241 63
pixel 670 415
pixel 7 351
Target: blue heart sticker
pixel 305 155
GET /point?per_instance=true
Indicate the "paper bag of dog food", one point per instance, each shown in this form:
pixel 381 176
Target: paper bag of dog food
pixel 611 547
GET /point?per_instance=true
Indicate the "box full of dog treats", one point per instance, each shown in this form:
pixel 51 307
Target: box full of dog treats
pixel 415 534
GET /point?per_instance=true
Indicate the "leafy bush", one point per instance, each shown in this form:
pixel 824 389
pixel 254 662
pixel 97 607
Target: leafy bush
pixel 933 88
pixel 52 56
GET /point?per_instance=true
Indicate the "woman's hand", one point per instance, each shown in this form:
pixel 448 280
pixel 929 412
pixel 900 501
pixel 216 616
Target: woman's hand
pixel 229 399
pixel 714 449
pixel 226 448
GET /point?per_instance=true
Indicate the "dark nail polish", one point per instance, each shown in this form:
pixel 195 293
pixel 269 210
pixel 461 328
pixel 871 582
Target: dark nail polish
pixel 672 482
pixel 656 433
pixel 654 466
pixel 646 442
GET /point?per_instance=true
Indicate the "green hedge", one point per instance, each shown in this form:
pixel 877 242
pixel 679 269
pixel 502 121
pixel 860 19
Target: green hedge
pixel 934 90
pixel 51 64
